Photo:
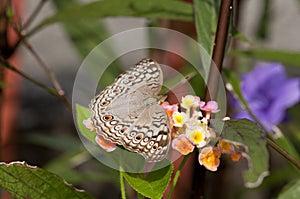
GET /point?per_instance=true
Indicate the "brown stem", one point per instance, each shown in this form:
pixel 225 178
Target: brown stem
pixel 34 14
pixel 285 154
pixel 6 64
pixel 219 49
pixel 59 91
pixel 213 81
pixel 3 45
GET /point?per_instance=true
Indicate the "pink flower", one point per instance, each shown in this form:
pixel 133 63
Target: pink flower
pixel 105 144
pixel 200 103
pixel 170 109
pixel 88 124
pixel 210 106
pixel 182 145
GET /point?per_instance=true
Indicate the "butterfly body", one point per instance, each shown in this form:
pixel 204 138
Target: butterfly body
pixel 127 112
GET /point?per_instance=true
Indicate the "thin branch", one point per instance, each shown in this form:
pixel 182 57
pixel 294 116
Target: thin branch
pixel 270 142
pixel 34 13
pixel 285 154
pixel 52 91
pixel 47 70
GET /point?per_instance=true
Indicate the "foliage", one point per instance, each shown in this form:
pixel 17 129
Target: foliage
pixel 25 181
pixel 249 135
pixel 85 30
pixel 153 184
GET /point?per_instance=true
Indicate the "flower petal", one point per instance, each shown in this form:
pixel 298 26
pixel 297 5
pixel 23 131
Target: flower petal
pixel 262 77
pixel 269 92
pixel 197 136
pixel 288 95
pixel 105 144
pixel 179 118
pixel 182 145
pixel 189 101
pixel 209 157
pixel 210 106
pixel 88 124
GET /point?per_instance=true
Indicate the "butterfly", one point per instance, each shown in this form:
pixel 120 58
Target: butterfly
pixel 128 113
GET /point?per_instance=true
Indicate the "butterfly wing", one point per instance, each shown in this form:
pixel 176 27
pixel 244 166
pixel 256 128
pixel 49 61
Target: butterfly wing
pixel 125 103
pixel 150 134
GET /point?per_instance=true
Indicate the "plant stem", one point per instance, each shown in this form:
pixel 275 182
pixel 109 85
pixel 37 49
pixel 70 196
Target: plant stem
pixel 43 86
pixel 34 14
pixel 219 50
pixel 177 174
pixel 285 154
pixel 214 74
pixel 122 184
pixel 48 71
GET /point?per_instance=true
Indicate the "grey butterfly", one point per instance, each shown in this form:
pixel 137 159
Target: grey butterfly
pixel 128 113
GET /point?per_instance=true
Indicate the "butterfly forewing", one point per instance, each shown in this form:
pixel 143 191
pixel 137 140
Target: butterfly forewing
pixel 127 112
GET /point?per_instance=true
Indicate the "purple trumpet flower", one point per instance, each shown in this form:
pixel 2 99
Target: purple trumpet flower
pixel 269 92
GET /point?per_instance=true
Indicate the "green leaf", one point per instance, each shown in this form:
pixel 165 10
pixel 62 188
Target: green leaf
pixel 90 33
pixel 87 37
pixel 206 19
pixel 24 181
pixel 288 58
pixel 63 166
pixel 264 20
pixel 181 78
pixel 290 191
pixel 66 165
pixel 57 141
pixel 155 9
pixel 248 134
pixel 83 113
pixel 153 185
pixel 238 35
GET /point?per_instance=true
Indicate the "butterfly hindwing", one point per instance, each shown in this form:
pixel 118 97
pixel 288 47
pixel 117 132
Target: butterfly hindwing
pixel 127 112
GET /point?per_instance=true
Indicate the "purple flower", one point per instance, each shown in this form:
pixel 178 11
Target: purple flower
pixel 269 92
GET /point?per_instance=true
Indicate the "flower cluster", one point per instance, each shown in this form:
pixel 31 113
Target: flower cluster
pixel 191 130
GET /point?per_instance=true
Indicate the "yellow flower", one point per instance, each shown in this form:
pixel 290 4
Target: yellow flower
pixel 197 137
pixel 209 157
pixel 189 101
pixel 179 118
pixel 182 145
